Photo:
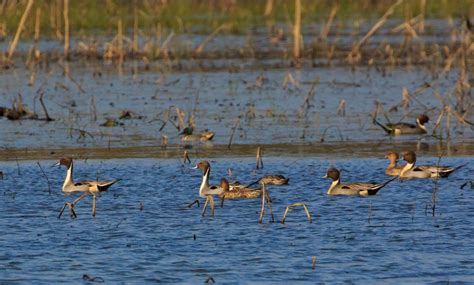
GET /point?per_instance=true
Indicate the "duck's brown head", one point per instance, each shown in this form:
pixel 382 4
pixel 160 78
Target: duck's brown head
pixel 203 165
pixel 332 173
pixel 66 161
pixel 391 155
pixel 224 184
pixel 422 119
pixel 409 156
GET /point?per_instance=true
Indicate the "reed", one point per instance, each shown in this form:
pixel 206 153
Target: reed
pixel 297 37
pixel 21 27
pixel 303 205
pixel 45 176
pixel 66 28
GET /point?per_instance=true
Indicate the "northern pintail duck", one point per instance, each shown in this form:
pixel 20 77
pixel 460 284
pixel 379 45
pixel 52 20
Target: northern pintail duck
pixel 86 187
pixel 275 179
pixel 204 136
pixel 205 190
pixel 393 169
pixel 237 192
pixel 406 128
pixel 410 171
pixel 354 188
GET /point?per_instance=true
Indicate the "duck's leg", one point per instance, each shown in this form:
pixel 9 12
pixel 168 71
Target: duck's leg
pixel 62 209
pixel 80 198
pixel 94 198
pixel 222 201
pixel 71 206
pixel 205 205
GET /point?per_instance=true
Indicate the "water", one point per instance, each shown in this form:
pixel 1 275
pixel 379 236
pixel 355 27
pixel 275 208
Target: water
pixel 124 244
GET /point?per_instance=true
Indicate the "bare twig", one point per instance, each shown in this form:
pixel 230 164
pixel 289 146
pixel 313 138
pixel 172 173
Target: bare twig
pixel 308 215
pixel 236 124
pixel 45 176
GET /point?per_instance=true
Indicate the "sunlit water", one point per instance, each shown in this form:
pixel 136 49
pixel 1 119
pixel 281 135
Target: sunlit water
pixel 166 241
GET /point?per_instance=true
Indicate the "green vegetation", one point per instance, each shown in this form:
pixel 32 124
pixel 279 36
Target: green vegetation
pixel 90 17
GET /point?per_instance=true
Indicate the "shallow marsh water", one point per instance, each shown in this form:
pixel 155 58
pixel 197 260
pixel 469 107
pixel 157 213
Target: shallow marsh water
pixel 165 241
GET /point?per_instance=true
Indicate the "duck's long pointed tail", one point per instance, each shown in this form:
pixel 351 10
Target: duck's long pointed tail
pixel 385 128
pixel 106 186
pixel 447 173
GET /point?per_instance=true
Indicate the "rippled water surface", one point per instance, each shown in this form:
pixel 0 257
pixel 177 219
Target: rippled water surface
pixel 163 240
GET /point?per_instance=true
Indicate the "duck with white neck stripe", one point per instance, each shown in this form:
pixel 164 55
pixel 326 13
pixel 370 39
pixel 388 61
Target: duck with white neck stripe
pixel 406 128
pixel 86 187
pixel 353 188
pixel 410 171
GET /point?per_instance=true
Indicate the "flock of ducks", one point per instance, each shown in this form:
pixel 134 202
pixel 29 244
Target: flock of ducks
pixel 231 191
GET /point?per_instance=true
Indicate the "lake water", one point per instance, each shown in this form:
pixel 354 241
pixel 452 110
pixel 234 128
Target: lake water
pixel 143 231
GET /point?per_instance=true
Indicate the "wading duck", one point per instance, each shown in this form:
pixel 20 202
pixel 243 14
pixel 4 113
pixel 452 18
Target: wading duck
pixel 410 171
pixel 406 128
pixel 86 187
pixel 205 190
pixel 351 189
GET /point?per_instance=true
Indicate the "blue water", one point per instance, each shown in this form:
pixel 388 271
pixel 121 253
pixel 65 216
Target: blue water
pixel 166 241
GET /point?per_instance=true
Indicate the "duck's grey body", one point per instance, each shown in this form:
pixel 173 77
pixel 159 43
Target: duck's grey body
pixel 411 171
pixel 406 128
pixel 353 188
pixel 85 187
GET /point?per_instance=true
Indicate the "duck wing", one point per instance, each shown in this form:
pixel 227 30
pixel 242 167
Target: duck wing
pixel 95 186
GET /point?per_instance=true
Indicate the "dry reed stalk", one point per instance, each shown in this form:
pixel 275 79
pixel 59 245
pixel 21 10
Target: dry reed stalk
pixel 434 194
pixel 268 8
pixel 262 211
pixel 421 27
pixel 202 45
pixel 259 158
pixel 58 19
pixel 341 110
pixel 327 27
pixel 120 41
pixel 37 25
pixel 438 122
pixel 20 28
pixel 164 142
pixel 405 98
pixel 66 28
pixel 308 215
pixel 354 55
pixel 297 30
pixel 48 118
pixel 401 27
pixel 135 28
pixel 236 124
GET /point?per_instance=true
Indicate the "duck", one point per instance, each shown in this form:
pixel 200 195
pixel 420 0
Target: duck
pixel 392 169
pixel 410 171
pixel 406 128
pixel 351 189
pixel 85 187
pixel 274 179
pixel 205 190
pixel 188 135
pixel 237 193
